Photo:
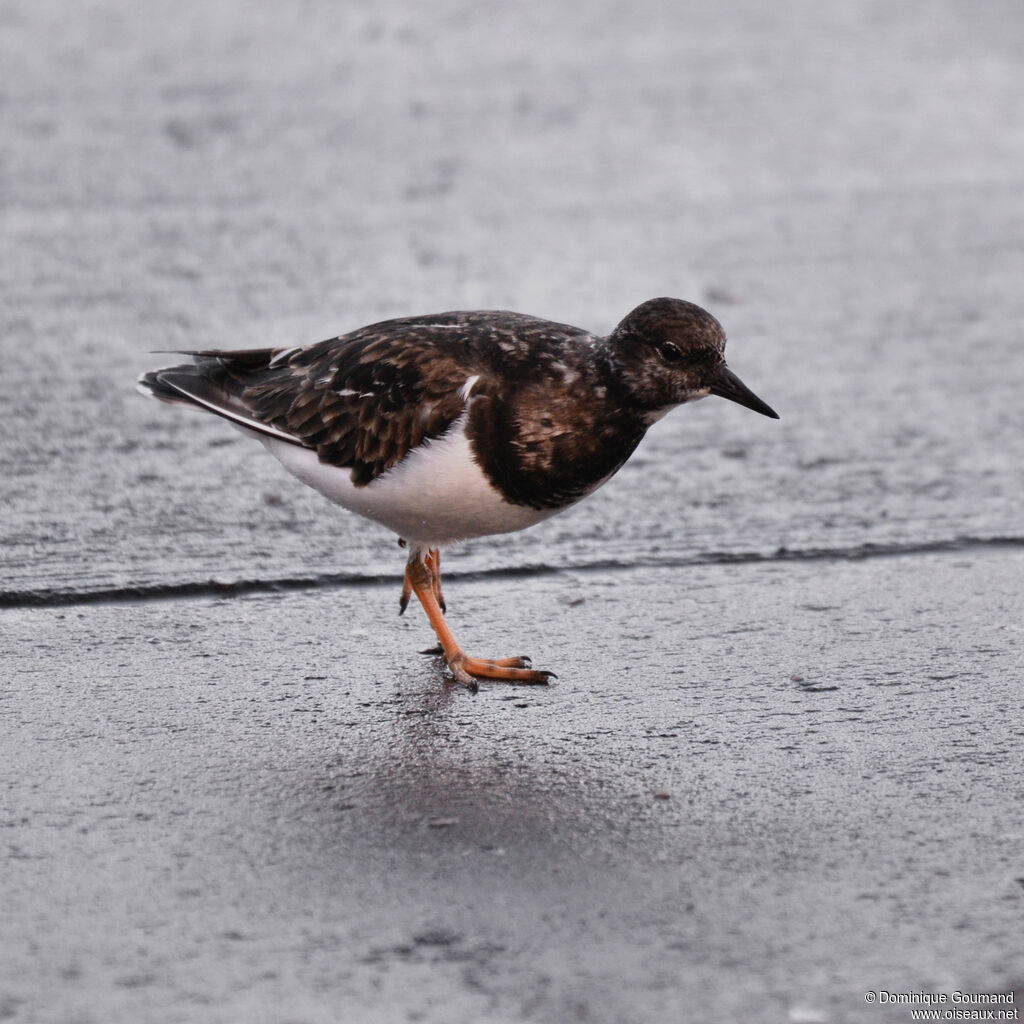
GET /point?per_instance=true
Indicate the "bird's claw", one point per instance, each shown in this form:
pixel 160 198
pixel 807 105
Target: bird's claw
pixel 507 670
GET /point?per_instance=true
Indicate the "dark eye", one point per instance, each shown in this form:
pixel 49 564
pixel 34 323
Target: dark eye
pixel 669 352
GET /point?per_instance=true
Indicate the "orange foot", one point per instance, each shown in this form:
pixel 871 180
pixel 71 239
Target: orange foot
pixel 423 578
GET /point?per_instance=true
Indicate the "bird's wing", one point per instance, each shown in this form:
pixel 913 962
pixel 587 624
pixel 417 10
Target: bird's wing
pixel 362 400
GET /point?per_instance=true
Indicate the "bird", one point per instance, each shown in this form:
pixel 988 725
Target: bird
pixel 452 426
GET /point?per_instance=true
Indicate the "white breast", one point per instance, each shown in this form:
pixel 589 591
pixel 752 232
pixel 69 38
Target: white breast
pixel 436 495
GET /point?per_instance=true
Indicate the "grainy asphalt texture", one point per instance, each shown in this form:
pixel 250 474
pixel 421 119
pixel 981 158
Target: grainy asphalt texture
pixel 782 765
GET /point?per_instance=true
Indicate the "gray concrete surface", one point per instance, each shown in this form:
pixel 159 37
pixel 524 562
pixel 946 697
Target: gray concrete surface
pixel 759 789
pixel 773 790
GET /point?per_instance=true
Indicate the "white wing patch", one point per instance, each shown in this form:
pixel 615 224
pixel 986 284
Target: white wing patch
pixel 283 356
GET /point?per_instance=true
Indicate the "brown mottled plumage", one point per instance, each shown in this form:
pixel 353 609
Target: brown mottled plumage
pixel 463 424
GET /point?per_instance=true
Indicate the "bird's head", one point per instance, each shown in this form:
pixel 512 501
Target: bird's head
pixel 669 351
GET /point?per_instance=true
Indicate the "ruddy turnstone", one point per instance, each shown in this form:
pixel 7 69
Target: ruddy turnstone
pixel 459 425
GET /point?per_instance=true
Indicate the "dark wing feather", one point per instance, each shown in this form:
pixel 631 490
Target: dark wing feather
pixel 189 385
pixel 363 400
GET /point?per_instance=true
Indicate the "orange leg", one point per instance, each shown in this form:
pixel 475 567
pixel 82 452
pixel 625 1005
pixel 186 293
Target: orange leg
pixel 421 580
pixel 433 561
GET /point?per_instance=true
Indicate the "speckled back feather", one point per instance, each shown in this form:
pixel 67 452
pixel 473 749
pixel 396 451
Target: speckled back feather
pixel 365 399
pixel 549 411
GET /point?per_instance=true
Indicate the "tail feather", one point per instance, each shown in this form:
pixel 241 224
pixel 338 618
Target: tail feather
pixel 154 386
pixel 189 385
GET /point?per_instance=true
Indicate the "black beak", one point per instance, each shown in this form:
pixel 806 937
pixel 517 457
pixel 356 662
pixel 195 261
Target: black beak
pixel 728 385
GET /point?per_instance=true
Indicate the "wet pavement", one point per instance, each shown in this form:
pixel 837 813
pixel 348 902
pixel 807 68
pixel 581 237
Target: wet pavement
pixel 781 766
pixel 755 793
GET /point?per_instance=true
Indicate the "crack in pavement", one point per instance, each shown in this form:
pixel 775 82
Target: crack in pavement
pixel 54 597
